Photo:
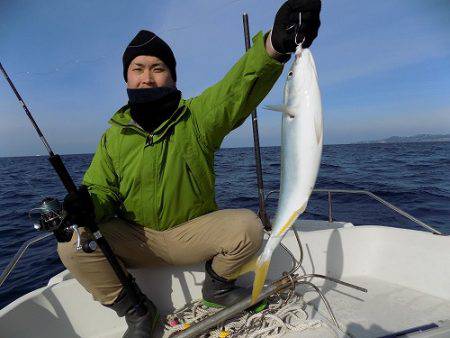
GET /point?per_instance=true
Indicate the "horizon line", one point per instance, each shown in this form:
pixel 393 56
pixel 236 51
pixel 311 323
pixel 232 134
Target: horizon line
pixel 247 147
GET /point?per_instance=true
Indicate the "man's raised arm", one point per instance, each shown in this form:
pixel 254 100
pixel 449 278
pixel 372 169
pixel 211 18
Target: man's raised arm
pixel 225 105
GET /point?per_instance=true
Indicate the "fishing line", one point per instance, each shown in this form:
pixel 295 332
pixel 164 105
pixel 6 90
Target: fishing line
pixel 33 188
pixel 108 53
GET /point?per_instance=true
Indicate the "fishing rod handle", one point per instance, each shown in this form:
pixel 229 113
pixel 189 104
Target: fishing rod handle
pixel 104 246
pixel 61 170
pixel 127 281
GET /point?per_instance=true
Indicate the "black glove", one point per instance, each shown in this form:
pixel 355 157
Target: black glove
pixel 286 25
pixel 79 207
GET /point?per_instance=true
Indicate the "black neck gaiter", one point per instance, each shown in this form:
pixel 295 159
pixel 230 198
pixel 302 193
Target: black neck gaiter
pixel 150 107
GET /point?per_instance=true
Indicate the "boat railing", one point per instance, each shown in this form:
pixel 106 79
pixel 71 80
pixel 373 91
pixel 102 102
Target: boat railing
pixel 330 193
pixel 19 254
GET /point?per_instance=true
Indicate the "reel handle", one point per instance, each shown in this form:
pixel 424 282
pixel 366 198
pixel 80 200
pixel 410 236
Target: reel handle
pixel 87 246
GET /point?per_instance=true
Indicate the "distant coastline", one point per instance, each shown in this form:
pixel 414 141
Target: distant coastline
pixel 420 138
pixel 411 139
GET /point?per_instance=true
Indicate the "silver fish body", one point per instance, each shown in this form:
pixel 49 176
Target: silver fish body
pixel 301 151
pixel 301 144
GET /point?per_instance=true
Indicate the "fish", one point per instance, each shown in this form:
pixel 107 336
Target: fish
pixel 301 152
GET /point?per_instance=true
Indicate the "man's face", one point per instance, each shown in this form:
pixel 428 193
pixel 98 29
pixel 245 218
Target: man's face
pixel 148 72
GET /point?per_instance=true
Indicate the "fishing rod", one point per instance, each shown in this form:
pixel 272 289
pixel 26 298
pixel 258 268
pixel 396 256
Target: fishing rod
pixel 52 218
pixel 259 177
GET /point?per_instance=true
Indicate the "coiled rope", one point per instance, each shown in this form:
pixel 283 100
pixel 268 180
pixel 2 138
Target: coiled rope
pixel 284 314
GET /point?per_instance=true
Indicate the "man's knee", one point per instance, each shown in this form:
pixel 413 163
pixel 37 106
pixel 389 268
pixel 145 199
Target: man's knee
pixel 251 229
pixel 68 252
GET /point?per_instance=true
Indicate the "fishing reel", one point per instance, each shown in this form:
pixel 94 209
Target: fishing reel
pixel 50 216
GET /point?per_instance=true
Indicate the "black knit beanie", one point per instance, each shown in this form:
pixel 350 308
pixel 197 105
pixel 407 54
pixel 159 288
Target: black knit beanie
pixel 148 43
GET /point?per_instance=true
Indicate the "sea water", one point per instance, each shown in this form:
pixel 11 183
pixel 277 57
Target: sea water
pixel 412 176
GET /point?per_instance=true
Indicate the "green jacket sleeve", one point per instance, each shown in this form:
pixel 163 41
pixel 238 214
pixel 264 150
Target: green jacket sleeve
pixel 225 105
pixel 102 182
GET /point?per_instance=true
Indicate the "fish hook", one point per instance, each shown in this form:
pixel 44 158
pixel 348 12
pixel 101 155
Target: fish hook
pixel 298 43
pixel 297 30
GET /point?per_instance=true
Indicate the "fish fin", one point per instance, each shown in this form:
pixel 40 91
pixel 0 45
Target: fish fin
pixel 292 219
pixel 249 266
pixel 288 224
pixel 318 127
pixel 276 107
pixel 260 277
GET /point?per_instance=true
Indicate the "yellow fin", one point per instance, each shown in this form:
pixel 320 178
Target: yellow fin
pixel 288 224
pixel 292 219
pixel 249 266
pixel 260 278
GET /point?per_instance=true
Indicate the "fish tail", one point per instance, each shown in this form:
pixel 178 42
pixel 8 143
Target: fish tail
pixel 249 266
pixel 260 267
pixel 260 277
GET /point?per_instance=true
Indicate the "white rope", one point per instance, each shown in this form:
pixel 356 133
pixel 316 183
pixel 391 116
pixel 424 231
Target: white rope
pixel 282 315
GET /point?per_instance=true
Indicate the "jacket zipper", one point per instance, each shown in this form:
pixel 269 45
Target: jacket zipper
pixel 150 140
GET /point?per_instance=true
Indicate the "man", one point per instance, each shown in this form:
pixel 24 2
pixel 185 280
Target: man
pixel 151 181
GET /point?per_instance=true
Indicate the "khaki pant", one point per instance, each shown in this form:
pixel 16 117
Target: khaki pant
pixel 228 236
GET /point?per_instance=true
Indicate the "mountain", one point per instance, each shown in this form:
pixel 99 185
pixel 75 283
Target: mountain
pixel 415 138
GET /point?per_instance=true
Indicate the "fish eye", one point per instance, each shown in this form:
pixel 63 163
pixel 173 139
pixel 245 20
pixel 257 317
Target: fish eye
pixel 290 74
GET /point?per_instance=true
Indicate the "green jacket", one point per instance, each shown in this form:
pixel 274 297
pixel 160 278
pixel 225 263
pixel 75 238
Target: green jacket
pixel 162 179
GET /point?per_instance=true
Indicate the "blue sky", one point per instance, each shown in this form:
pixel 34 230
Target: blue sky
pixel 384 66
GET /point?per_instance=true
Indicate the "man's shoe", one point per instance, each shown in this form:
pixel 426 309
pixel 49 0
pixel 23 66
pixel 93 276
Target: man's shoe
pixel 220 292
pixel 139 325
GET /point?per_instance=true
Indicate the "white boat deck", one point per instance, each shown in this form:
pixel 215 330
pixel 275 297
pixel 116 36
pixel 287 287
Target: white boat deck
pixel 385 309
pixel 406 273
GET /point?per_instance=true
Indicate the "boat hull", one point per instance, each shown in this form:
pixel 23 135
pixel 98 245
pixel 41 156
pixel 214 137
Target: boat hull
pixel 406 273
